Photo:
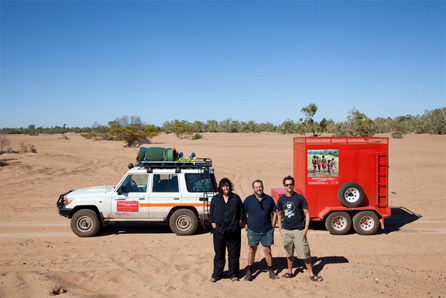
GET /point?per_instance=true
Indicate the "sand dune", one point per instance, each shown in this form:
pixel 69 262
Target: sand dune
pixel 40 255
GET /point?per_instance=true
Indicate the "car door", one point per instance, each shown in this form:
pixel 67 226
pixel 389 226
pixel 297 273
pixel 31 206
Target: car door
pixel 164 195
pixel 130 199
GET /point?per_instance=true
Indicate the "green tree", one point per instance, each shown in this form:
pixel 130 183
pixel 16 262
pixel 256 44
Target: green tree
pixel 358 124
pixel 436 121
pixel 309 113
pixel 131 130
pixel 287 127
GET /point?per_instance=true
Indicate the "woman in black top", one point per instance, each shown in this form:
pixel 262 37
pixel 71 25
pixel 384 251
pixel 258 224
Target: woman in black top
pixel 226 217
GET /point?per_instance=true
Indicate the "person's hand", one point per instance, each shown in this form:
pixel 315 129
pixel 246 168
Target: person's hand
pixel 280 231
pixel 304 232
pixel 214 225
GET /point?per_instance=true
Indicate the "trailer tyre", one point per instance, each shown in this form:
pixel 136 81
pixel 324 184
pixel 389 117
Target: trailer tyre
pixel 350 194
pixel 338 223
pixel 85 223
pixel 183 222
pixel 366 223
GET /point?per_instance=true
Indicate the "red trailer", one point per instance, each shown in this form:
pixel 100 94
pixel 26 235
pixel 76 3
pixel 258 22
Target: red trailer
pixel 344 180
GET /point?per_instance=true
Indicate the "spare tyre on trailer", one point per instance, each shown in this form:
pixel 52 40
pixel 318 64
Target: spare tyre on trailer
pixel 350 194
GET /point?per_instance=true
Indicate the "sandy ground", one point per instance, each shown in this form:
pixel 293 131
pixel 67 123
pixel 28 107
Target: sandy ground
pixel 39 252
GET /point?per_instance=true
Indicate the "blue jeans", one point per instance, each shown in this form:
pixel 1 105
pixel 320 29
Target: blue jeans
pixel 266 238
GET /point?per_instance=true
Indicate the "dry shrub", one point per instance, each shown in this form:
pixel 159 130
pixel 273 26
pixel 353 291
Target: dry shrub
pixel 4 142
pixel 32 149
pixel 23 147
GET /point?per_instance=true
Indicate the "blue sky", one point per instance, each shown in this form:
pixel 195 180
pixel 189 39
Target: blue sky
pixel 84 62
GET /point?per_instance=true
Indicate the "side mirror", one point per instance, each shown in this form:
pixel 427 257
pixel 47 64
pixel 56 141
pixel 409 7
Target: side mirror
pixel 120 190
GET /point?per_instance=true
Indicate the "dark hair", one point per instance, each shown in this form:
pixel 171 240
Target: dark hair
pixel 288 178
pixel 225 181
pixel 259 181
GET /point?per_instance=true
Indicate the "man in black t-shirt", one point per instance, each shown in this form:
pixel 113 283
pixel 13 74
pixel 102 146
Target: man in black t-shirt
pixel 294 220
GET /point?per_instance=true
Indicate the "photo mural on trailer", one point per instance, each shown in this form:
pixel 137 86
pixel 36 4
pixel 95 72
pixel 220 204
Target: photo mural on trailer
pixel 323 166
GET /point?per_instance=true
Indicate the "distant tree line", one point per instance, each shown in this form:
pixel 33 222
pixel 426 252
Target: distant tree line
pixel 33 130
pixel 356 124
pixel 133 131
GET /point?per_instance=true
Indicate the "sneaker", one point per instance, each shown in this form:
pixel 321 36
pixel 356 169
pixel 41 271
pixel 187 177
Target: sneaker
pixel 272 275
pixel 248 276
pixel 235 278
pixel 213 279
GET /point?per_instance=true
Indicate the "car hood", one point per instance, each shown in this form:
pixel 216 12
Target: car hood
pixel 91 191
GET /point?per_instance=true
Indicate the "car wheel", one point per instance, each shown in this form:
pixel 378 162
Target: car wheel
pixel 351 194
pixel 85 223
pixel 366 223
pixel 183 222
pixel 338 223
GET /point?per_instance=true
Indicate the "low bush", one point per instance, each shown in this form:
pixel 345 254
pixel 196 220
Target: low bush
pixel 197 136
pixel 397 135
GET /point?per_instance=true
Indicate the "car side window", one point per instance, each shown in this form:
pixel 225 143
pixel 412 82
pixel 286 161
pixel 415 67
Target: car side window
pixel 199 183
pixel 135 183
pixel 165 183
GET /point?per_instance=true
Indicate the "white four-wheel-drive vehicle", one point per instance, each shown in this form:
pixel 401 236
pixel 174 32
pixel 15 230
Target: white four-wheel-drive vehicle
pixel 172 191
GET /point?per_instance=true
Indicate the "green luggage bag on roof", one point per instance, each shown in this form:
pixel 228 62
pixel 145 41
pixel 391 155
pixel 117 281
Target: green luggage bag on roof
pixel 155 153
pixel 141 154
pixel 171 154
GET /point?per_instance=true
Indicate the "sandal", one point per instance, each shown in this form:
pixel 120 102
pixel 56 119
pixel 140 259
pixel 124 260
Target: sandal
pixel 287 275
pixel 316 278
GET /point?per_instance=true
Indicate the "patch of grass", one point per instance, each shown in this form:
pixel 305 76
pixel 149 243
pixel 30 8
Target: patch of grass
pixel 397 135
pixel 197 136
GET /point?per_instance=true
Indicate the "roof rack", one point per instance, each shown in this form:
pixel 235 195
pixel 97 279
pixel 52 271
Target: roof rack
pixel 200 163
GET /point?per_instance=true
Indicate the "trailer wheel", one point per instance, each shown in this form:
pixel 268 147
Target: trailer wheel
pixel 183 222
pixel 366 223
pixel 338 223
pixel 350 194
pixel 85 223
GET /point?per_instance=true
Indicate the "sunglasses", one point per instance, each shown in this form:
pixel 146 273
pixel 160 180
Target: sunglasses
pixel 289 184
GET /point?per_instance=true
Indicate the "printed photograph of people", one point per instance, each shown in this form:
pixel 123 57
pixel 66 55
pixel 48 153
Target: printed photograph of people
pixel 323 163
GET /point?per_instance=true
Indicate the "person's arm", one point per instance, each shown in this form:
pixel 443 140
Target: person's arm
pixel 307 222
pixel 211 213
pixel 241 214
pixel 274 218
pixel 280 216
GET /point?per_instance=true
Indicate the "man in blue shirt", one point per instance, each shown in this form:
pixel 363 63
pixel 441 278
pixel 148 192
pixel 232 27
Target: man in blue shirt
pixel 293 210
pixel 259 208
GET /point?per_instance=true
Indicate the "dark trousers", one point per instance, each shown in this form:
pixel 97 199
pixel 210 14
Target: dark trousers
pixel 233 241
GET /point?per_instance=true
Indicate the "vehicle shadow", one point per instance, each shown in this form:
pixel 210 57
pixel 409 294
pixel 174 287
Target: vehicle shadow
pixel 400 217
pixel 280 265
pixel 115 228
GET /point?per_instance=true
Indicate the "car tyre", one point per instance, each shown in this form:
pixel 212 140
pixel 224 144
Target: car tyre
pixel 338 223
pixel 183 222
pixel 351 194
pixel 85 223
pixel 366 223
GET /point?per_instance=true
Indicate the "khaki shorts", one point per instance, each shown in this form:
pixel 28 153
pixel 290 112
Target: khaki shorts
pixel 292 239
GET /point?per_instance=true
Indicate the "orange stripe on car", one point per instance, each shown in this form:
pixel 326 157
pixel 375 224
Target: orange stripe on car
pixel 170 205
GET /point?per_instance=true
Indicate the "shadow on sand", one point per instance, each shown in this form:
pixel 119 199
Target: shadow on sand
pixel 7 161
pixel 280 265
pixel 400 217
pixel 116 228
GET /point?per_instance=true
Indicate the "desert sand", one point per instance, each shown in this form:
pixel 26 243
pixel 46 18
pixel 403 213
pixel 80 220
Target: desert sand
pixel 39 254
